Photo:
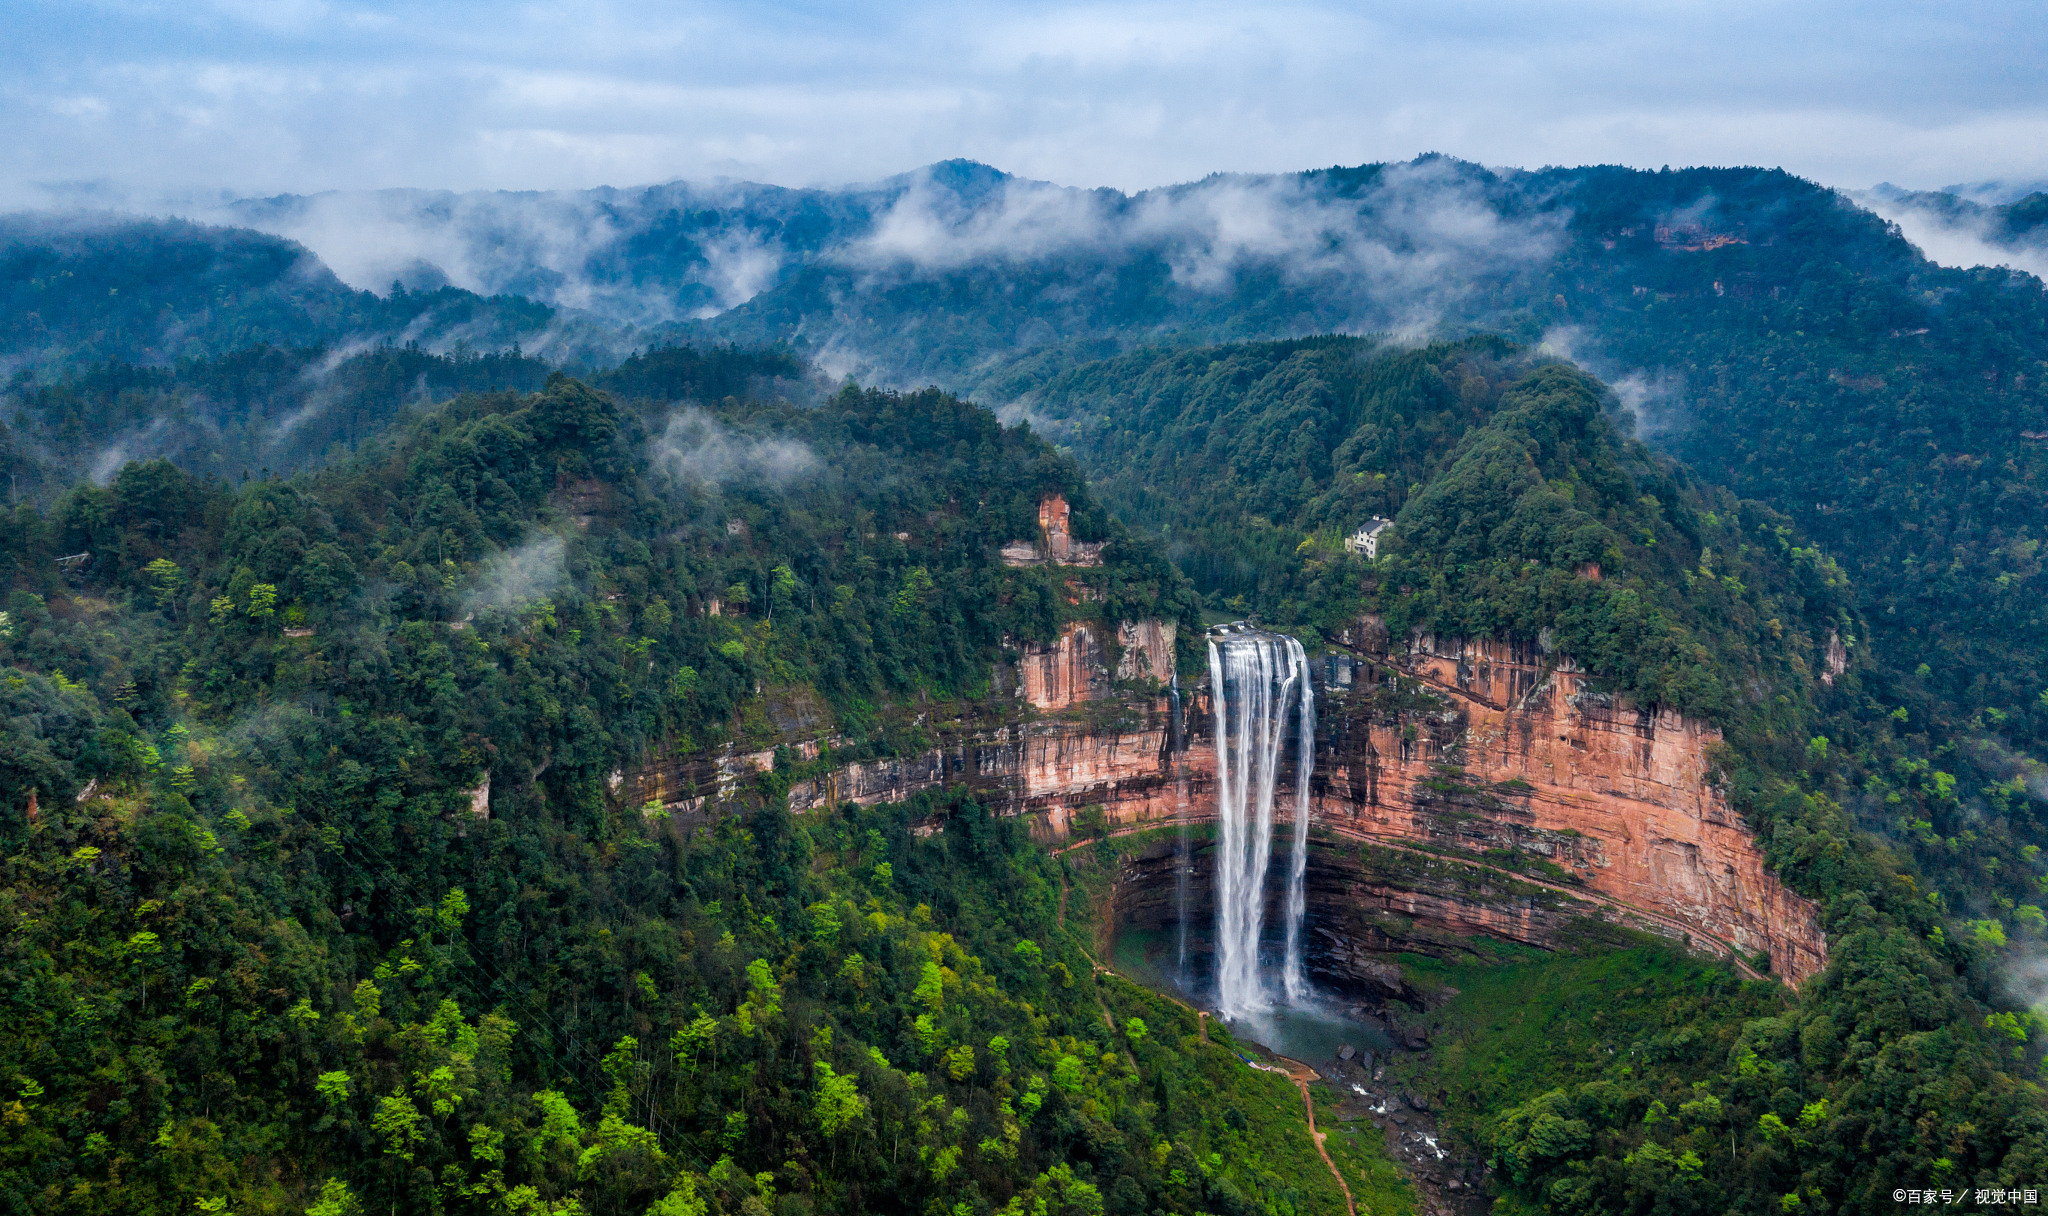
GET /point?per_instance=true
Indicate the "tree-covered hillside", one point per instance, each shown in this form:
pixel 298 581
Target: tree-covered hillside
pixel 266 408
pixel 2017 225
pixel 265 951
pixel 1786 343
pixel 634 256
pixel 238 415
pixel 1883 403
pixel 1521 510
pixel 75 291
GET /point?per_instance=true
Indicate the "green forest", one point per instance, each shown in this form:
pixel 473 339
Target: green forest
pixel 336 623
pixel 81 290
pixel 1508 477
pixel 260 954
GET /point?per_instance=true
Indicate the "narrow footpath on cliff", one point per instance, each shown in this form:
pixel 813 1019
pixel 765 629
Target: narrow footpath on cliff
pixel 1294 1070
pixel 1301 1074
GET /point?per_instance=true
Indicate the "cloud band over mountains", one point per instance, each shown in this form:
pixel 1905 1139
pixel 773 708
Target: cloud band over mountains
pixel 313 95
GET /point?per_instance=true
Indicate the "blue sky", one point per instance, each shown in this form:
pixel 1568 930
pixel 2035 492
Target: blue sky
pixel 303 95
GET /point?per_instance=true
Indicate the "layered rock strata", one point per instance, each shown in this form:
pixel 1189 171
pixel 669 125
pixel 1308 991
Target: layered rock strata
pixel 1492 756
pixel 1367 903
pixel 1061 737
pixel 1523 756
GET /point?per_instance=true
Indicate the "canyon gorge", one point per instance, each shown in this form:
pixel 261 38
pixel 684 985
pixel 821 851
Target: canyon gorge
pixel 1459 787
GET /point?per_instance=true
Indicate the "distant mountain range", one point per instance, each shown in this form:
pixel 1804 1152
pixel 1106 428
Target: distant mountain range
pixel 1989 193
pixel 955 274
pixel 2008 216
pixel 1787 341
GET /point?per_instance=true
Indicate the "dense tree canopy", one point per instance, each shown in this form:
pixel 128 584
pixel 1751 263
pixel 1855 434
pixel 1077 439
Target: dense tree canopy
pixel 239 834
pixel 290 598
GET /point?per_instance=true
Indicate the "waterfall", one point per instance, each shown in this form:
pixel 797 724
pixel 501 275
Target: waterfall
pixel 1183 860
pixel 1253 679
pixel 1292 978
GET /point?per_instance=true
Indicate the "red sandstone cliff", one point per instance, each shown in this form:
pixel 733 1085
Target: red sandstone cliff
pixel 1505 748
pixel 1055 543
pixel 1528 757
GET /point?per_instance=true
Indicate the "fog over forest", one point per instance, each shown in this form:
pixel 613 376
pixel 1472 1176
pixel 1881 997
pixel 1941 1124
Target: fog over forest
pixel 1064 611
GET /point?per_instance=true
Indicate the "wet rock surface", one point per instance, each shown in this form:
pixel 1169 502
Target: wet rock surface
pixel 1450 1177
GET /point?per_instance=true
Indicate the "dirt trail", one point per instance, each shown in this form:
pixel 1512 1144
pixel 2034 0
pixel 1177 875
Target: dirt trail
pixel 1301 1075
pixel 1294 1070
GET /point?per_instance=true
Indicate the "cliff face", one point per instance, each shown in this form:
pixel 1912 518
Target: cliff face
pixel 1055 543
pixel 1061 736
pixel 1365 905
pixel 1490 757
pixel 1525 756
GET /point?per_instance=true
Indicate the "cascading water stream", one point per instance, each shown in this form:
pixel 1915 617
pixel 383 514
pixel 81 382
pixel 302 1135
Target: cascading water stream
pixel 1254 677
pixel 1184 859
pixel 1292 977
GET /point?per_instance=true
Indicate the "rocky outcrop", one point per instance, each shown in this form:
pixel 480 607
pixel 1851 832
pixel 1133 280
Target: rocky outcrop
pixel 1061 548
pixel 1065 672
pixel 1055 543
pixel 1834 660
pixel 1145 650
pixel 1047 769
pixel 1077 667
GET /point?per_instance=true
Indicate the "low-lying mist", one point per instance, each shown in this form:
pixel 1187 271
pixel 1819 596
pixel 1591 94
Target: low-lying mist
pixel 1397 244
pixel 699 450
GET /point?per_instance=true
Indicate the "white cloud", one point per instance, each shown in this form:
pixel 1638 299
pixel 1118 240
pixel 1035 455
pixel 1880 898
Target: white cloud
pixel 317 94
pixel 534 571
pixel 1954 242
pixel 1402 251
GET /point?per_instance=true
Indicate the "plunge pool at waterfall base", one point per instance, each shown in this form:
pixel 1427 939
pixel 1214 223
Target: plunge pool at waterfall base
pixel 1356 1099
pixel 1311 1033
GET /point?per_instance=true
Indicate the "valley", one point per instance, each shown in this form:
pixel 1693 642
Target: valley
pixel 606 750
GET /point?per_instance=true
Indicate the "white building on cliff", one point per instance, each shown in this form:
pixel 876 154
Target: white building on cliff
pixel 1367 539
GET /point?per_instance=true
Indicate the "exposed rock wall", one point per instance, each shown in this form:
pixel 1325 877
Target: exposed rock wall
pixel 1048 769
pixel 1057 537
pixel 1460 746
pixel 1076 667
pixel 1525 756
pixel 1055 543
pixel 1066 672
pixel 1145 650
pixel 1366 906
